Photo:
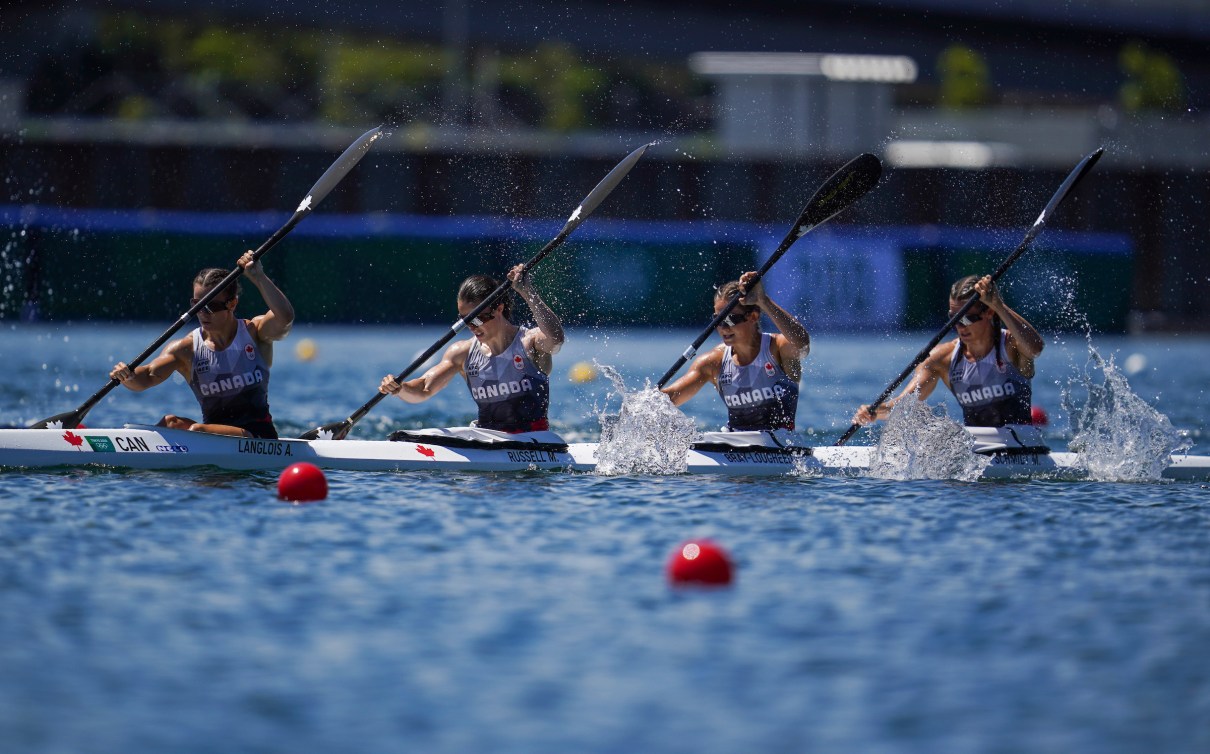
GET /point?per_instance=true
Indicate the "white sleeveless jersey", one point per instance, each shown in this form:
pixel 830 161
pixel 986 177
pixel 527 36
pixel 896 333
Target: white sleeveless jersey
pixel 991 391
pixel 512 392
pixel 759 395
pixel 231 385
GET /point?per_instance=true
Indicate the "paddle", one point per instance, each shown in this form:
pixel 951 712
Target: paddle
pixel 332 176
pixel 340 430
pixel 846 186
pixel 1072 179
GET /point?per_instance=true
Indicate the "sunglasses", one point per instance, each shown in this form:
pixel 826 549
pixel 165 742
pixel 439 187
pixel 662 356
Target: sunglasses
pixel 483 317
pixel 971 317
pixel 734 318
pixel 214 307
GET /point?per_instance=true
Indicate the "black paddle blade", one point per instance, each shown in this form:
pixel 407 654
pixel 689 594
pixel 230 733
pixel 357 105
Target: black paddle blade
pixel 1078 172
pixel 334 431
pixel 848 184
pixel 607 185
pixel 339 169
pixel 1074 177
pixel 69 420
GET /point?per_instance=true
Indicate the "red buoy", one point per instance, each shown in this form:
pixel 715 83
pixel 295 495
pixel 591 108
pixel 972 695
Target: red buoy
pixel 699 561
pixel 1038 416
pixel 302 483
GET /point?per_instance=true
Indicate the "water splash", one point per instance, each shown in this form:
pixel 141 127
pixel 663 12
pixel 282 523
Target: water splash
pixel 648 435
pixel 1117 436
pixel 922 442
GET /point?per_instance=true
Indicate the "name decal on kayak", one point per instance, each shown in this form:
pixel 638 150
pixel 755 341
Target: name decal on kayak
pixel 266 447
pixel 532 456
pixel 758 456
pixel 131 444
pixel 1016 459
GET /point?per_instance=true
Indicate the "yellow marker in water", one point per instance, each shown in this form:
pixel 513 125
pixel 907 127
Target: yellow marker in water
pixel 305 350
pixel 582 372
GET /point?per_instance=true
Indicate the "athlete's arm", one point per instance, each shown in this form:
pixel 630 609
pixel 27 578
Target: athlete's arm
pixel 175 358
pixel 793 332
pixel 932 370
pixel 1025 343
pixel 274 324
pixel 703 371
pixel 431 382
pixel 792 342
pixel 549 337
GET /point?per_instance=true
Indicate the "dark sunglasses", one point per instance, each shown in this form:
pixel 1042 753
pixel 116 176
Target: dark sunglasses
pixel 214 307
pixel 483 317
pixel 734 318
pixel 970 317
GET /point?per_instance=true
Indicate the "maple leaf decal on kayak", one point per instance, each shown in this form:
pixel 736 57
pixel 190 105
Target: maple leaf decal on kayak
pixel 425 451
pixel 73 439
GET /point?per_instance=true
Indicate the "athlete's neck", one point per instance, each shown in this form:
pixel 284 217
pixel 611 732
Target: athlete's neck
pixel 220 337
pixel 499 342
pixel 745 351
pixel 978 348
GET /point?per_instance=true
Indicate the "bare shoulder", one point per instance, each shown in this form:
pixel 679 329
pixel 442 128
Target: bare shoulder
pixel 458 351
pixel 711 361
pixel 939 357
pixel 180 352
pixel 254 328
pixel 784 349
pixel 181 348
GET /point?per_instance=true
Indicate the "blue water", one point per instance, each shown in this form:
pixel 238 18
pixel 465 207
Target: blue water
pixel 193 612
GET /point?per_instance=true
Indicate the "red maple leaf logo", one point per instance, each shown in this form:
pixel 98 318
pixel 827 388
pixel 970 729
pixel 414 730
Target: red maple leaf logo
pixel 425 451
pixel 73 439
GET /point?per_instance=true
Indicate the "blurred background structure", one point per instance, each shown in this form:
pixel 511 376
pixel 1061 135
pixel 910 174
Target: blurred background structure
pixel 144 139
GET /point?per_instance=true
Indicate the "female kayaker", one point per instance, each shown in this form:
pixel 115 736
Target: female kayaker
pixel 225 359
pixel 988 367
pixel 756 372
pixel 506 366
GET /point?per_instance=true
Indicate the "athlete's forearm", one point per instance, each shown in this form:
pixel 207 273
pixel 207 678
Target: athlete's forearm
pixel 1029 340
pixel 788 326
pixel 547 321
pixel 283 310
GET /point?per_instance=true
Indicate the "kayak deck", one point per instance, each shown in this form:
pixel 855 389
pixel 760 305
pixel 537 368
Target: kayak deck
pixel 146 447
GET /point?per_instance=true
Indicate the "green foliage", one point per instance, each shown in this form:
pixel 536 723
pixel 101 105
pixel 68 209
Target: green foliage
pixel 555 77
pixel 239 55
pixel 362 78
pixel 1153 80
pixel 222 69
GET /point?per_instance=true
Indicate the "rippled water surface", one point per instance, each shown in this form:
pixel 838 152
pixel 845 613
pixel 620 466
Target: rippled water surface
pixel 193 612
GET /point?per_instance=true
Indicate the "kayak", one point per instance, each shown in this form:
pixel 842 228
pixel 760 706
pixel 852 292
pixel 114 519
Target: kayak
pixel 469 449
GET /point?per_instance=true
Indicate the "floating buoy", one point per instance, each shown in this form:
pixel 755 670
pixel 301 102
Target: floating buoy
pixel 302 483
pixel 582 372
pixel 1037 415
pixel 1134 363
pixel 306 350
pixel 699 561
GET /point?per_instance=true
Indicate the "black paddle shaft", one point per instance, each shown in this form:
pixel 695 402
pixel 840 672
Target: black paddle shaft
pixel 340 430
pixel 1072 179
pixel 845 187
pixel 332 176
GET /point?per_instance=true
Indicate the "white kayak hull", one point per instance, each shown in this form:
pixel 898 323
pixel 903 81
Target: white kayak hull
pixel 145 447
